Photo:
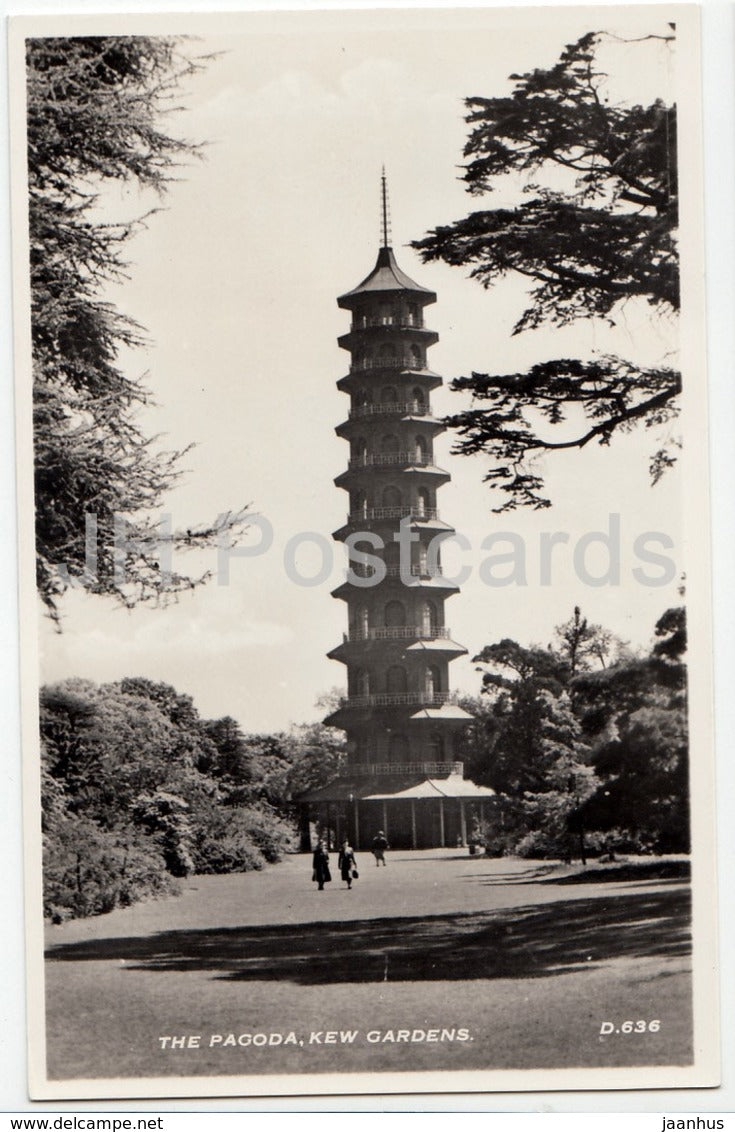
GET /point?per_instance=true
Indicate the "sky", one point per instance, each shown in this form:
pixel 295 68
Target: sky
pixel 235 281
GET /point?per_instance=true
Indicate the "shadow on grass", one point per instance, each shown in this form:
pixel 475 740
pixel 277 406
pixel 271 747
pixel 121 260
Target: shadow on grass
pixel 640 872
pixel 527 942
pixel 630 871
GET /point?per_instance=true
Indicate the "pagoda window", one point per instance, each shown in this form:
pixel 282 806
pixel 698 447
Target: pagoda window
pixel 386 314
pixel 362 397
pixel 389 445
pixel 422 450
pixel 388 395
pixel 395 680
pixel 423 501
pixel 359 503
pixel 392 554
pixel 362 623
pixel 432 680
pixel 358 449
pixel 398 749
pixel 412 315
pixel 362 679
pixel 418 396
pixel 417 360
pixel 423 559
pixel 394 614
pixel 392 497
pixel 387 353
pixel 436 747
pixel 429 617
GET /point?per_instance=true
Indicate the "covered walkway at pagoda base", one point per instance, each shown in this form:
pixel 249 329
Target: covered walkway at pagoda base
pixel 413 811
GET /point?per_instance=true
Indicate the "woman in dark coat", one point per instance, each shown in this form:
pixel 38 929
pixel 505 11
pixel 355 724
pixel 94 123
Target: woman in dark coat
pixel 321 871
pixel 346 862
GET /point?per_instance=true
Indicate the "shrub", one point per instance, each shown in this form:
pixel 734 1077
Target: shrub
pixel 88 871
pixel 240 838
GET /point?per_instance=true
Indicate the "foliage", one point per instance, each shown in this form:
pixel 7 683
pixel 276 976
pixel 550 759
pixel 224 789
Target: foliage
pixel 598 230
pixel 581 645
pixel 531 713
pixel 138 790
pixel 230 759
pixel 93 111
pixel 88 870
pixel 635 718
pixel 287 764
pixel 165 817
pixel 573 751
pixel 476 742
pixel 240 838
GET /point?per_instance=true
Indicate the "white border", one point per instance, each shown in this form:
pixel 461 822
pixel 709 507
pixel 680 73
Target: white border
pixel 718 227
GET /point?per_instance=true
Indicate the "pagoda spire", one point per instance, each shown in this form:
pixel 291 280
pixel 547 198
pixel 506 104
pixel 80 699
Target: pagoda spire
pixel 385 211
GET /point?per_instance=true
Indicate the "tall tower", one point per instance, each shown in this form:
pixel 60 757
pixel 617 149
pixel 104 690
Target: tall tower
pixel 400 717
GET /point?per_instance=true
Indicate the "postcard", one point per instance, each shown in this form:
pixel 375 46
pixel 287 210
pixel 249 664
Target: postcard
pixel 364 550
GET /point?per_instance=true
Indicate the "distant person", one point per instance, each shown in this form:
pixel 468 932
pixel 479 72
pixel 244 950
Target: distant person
pixel 346 862
pixel 380 844
pixel 321 873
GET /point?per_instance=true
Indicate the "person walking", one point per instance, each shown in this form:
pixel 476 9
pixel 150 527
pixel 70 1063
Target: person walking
pixel 379 846
pixel 346 862
pixel 321 873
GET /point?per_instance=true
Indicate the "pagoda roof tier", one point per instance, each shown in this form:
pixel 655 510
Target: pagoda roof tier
pixel 438 584
pixel 362 335
pixel 360 375
pixel 448 713
pixel 384 787
pixel 351 650
pixel 386 277
pixel 382 516
pixel 385 708
pixel 361 472
pixel 357 421
pixel 438 645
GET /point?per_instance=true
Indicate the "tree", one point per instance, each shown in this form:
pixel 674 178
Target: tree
pixel 524 685
pixel 93 108
pixel 136 789
pixel 579 643
pixel 231 759
pixel 600 232
pixel 634 716
pixel 537 760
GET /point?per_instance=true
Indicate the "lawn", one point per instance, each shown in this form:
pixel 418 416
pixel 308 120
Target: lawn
pixel 438 961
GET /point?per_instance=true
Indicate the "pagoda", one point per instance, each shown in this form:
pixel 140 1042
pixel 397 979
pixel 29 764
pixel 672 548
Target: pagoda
pixel 402 774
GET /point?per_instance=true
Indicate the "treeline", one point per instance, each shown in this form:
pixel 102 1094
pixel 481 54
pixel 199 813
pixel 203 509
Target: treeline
pixel 584 742
pixel 138 790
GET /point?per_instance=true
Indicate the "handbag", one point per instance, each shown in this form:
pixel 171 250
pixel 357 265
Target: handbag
pixel 355 874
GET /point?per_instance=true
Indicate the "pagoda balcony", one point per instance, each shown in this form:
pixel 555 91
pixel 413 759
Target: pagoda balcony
pixel 428 769
pixel 398 633
pixel 362 570
pixel 405 362
pixel 402 322
pixel 392 409
pixel 399 699
pixel 397 459
pixel 420 514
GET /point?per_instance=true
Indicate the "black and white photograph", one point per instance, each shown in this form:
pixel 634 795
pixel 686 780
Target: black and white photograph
pixel 365 588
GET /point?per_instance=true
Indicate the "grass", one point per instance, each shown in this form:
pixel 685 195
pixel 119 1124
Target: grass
pixel 505 949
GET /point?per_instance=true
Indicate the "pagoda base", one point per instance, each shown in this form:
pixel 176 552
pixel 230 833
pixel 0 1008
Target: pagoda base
pixel 413 810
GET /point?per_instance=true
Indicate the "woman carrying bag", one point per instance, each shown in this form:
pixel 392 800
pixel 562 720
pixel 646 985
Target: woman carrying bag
pixel 347 864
